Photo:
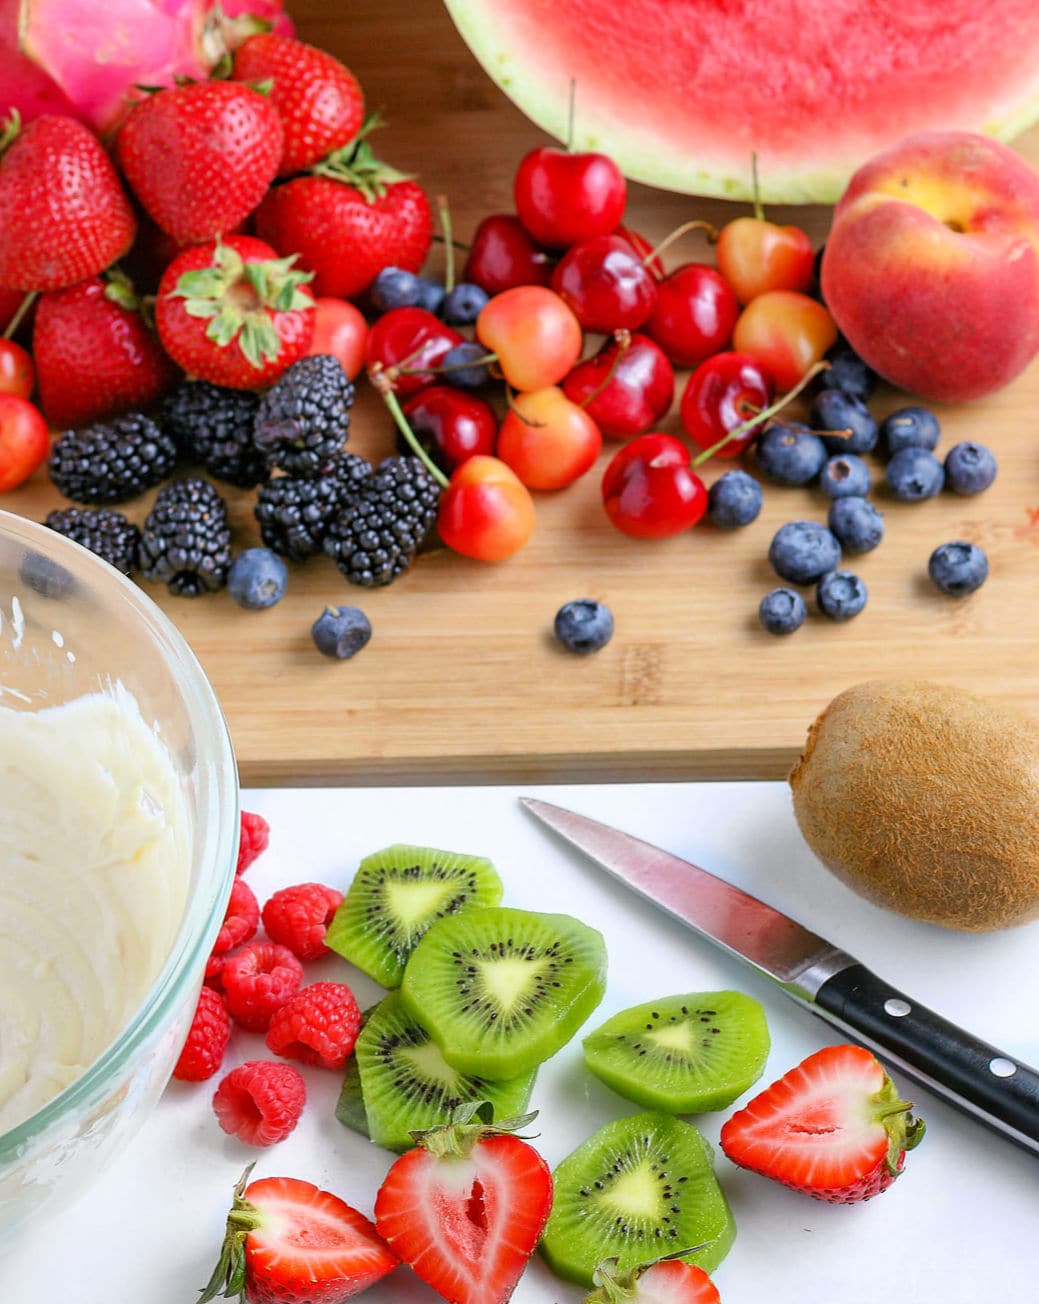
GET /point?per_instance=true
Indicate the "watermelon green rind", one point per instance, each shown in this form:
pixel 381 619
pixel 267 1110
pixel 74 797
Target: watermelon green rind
pixel 681 92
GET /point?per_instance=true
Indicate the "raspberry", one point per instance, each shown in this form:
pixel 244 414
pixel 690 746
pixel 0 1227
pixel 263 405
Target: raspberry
pixel 255 835
pixel 318 1026
pixel 258 980
pixel 208 1035
pixel 298 917
pixel 214 969
pixel 260 1102
pixel 241 919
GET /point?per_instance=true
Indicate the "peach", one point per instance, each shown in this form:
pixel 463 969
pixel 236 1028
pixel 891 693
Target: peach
pixel 931 268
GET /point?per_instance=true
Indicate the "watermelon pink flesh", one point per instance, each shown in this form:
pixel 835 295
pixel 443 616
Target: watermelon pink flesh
pixel 682 92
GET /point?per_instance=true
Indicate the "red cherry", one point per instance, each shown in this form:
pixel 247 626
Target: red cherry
pixel 451 425
pixel 695 314
pixel 485 512
pixel 634 397
pixel 547 440
pixel 17 373
pixel 502 255
pixel 340 329
pixel 562 197
pixel 644 250
pixel 721 394
pixel 756 256
pixel 606 284
pixel 649 489
pixel 413 340
pixel 24 441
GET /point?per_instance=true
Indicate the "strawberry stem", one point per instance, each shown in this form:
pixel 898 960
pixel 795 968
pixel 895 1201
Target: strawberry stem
pixel 228 1277
pixel 696 225
pixel 623 338
pixel 449 252
pixel 470 1123
pixel 19 315
pixel 384 386
pixel 763 415
pixel 356 165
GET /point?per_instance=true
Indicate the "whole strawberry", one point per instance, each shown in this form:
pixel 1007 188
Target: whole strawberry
pixel 317 98
pixel 233 313
pixel 96 355
pixel 63 213
pixel 200 156
pixel 348 223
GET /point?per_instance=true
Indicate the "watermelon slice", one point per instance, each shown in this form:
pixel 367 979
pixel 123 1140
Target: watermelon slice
pixel 681 92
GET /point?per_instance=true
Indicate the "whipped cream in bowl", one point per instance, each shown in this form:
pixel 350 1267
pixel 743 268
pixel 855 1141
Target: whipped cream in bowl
pixel 118 835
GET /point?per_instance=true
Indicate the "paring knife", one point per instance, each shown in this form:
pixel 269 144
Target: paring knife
pixel 991 1086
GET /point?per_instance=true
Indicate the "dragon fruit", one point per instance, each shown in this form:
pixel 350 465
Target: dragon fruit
pixel 85 58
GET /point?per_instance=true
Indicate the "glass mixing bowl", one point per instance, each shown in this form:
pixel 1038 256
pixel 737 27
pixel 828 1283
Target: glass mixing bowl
pixel 70 625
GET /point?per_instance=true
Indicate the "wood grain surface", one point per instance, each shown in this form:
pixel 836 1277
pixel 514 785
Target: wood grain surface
pixel 462 679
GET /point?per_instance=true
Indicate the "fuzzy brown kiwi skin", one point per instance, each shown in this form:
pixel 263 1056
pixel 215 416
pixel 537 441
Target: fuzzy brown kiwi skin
pixel 924 799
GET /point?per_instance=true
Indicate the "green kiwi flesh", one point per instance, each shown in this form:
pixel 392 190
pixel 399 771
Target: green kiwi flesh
pixel 396 895
pixel 684 1054
pixel 501 990
pixel 406 1084
pixel 640 1188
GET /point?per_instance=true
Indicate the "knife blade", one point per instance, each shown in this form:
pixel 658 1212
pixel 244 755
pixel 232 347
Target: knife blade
pixel 991 1086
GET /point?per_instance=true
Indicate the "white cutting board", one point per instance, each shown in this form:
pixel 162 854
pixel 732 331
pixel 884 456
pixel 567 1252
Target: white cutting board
pixel 959 1226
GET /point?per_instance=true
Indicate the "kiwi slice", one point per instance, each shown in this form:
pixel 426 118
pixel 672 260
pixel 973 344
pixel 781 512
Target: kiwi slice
pixel 686 1054
pixel 500 990
pixel 350 1106
pixel 640 1188
pixel 407 1084
pixel 396 895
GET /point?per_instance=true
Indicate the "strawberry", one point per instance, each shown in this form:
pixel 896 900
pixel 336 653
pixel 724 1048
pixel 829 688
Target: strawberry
pixel 833 1127
pixel 234 313
pixel 63 213
pixel 318 99
pixel 349 222
pixel 289 1243
pixel 668 1281
pixel 200 156
pixel 466 1208
pixel 96 355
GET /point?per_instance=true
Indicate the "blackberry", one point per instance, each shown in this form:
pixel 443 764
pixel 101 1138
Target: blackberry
pixel 186 541
pixel 294 514
pixel 213 426
pixel 303 420
pixel 112 461
pixel 379 527
pixel 108 534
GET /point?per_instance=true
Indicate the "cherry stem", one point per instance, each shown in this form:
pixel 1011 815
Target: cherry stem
pixel 763 415
pixel 510 399
pixel 485 359
pixel 759 212
pixel 384 386
pixel 445 223
pixel 623 339
pixel 570 116
pixel 455 244
pixel 19 316
pixel 696 225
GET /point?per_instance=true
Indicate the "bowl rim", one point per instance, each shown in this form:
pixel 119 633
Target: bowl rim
pixel 219 823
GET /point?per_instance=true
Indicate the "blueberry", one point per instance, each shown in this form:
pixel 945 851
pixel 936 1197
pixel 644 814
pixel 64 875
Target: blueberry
pixel 833 410
pixel 466 377
pixel 858 525
pixel 803 551
pixel 848 373
pixel 394 288
pixel 958 568
pixel 257 579
pixel 846 476
pixel 341 632
pixel 781 611
pixel 584 626
pixel 914 474
pixel 430 294
pixel 909 427
pixel 463 304
pixel 840 595
pixel 790 453
pixel 734 500
pixel 969 468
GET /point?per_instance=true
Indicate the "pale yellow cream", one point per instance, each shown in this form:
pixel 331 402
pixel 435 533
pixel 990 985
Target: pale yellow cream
pixel 94 869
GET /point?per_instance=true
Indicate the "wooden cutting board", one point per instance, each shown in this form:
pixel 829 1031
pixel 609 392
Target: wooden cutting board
pixel 462 680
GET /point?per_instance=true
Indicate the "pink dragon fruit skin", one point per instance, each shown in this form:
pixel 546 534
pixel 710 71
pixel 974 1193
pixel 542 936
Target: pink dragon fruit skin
pixel 24 86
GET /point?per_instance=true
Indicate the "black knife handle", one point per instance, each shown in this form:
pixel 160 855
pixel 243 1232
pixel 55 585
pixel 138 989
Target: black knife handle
pixel 992 1086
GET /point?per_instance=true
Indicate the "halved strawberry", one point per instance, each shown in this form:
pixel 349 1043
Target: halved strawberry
pixel 668 1281
pixel 287 1242
pixel 467 1207
pixel 833 1127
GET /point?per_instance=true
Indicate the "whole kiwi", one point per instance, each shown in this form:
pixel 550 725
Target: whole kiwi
pixel 925 799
